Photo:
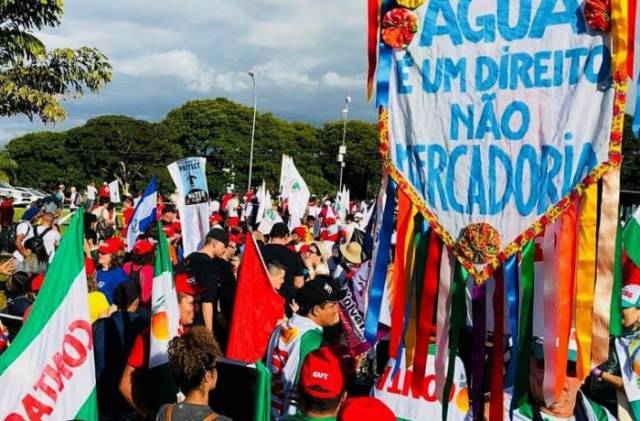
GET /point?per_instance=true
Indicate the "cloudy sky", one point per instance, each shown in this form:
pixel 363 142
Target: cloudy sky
pixel 307 56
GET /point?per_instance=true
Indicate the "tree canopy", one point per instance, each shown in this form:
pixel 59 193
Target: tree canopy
pixel 33 80
pixel 130 150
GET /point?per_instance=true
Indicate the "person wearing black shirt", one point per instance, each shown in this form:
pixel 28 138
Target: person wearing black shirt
pixel 277 251
pixel 214 275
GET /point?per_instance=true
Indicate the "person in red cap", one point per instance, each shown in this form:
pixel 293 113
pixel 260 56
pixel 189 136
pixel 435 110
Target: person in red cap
pixel 365 408
pixel 110 273
pixel 321 387
pixel 140 268
pixel 138 362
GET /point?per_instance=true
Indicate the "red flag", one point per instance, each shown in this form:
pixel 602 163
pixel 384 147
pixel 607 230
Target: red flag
pixel 257 308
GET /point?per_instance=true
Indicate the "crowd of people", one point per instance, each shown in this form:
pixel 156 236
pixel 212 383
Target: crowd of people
pixel 312 263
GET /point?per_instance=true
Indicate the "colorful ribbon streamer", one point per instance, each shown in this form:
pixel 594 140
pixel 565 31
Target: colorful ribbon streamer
pixel 511 282
pixel 443 317
pixel 403 234
pixel 417 277
pixel 550 306
pixel 605 260
pixel 525 332
pixel 457 323
pixel 635 126
pixel 381 263
pixel 631 38
pixel 615 320
pixel 619 33
pixel 566 280
pixel 425 320
pixel 496 409
pixel 372 43
pixel 385 59
pixel 479 309
pixel 585 279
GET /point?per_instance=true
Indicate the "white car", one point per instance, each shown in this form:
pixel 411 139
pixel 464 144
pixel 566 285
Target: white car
pixel 29 195
pixel 20 198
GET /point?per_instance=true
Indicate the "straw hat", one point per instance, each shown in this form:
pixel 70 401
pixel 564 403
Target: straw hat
pixel 352 252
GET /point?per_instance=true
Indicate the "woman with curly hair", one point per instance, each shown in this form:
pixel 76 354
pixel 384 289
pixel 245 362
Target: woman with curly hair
pixel 192 359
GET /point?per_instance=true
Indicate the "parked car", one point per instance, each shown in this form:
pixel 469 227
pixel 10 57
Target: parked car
pixel 20 198
pixel 29 196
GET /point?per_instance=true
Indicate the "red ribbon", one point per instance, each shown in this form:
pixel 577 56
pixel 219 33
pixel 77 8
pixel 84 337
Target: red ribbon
pixel 496 411
pixel 632 37
pixel 400 290
pixel 374 29
pixel 427 307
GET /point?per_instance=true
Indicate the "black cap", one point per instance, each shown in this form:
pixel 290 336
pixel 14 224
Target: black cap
pixel 321 289
pixel 125 294
pixel 220 235
pixel 279 230
pixel 168 208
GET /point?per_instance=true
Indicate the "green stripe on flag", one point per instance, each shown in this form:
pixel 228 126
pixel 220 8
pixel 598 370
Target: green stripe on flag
pixel 89 410
pixel 163 262
pixel 67 264
pixel 631 238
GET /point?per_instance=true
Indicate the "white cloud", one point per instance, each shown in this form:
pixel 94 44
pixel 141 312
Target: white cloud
pixel 336 80
pixel 295 74
pixel 183 65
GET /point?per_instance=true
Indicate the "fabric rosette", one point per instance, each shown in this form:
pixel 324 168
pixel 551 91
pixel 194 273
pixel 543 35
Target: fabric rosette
pixel 399 26
pixel 598 14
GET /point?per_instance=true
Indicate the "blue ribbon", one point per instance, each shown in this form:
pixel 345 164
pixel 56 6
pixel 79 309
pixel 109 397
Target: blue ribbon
pixel 385 54
pixel 381 259
pixel 511 283
pixel 635 127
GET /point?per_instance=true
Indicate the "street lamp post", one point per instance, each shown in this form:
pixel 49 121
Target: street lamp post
pixel 253 128
pixel 343 149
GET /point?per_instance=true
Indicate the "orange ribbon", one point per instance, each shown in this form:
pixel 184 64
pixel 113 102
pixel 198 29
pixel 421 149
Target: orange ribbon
pixel 400 285
pixel 605 260
pixel 585 278
pixel 620 32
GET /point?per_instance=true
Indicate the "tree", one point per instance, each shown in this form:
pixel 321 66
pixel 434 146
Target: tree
pixel 124 148
pixel 363 163
pixel 33 81
pixel 220 130
pixel 8 167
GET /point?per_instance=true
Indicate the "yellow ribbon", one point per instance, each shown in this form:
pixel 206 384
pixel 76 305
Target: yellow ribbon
pixel 409 259
pixel 585 278
pixel 410 4
pixel 620 34
pixel 605 260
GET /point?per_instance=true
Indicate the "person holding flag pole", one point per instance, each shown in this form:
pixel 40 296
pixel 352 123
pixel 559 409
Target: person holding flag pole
pixel 145 213
pixel 172 312
pixel 55 339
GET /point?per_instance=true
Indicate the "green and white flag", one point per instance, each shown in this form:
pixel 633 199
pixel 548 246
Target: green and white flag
pixel 631 237
pixel 165 313
pixel 48 371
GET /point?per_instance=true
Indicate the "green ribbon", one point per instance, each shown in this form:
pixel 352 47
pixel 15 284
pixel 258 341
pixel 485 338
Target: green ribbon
pixel 615 319
pixel 521 384
pixel 458 317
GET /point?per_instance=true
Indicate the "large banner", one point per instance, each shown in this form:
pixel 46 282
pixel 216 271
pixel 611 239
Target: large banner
pixel 498 112
pixel 190 178
pixel 396 392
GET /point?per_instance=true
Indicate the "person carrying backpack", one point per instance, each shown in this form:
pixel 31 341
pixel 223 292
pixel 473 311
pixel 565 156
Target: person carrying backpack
pixel 13 237
pixel 140 269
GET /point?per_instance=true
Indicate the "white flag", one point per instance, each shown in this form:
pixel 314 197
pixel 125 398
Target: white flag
pixel 114 192
pixel 296 191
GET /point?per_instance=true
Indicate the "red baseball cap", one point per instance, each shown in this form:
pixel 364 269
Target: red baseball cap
pixel 89 266
pixel 36 282
pixel 143 247
pixel 186 284
pixel 321 374
pixel 110 246
pixel 363 408
pixel 301 232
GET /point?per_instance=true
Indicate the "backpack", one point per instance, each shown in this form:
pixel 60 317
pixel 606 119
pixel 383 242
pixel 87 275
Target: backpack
pixel 104 229
pixel 78 200
pixel 9 235
pixel 168 414
pixel 134 275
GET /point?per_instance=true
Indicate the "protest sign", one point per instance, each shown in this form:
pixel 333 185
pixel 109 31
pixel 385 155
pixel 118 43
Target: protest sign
pixel 190 178
pixel 496 116
pixel 114 192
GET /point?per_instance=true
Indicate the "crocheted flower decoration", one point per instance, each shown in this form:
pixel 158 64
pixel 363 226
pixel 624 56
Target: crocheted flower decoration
pixel 598 14
pixel 399 26
pixel 479 243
